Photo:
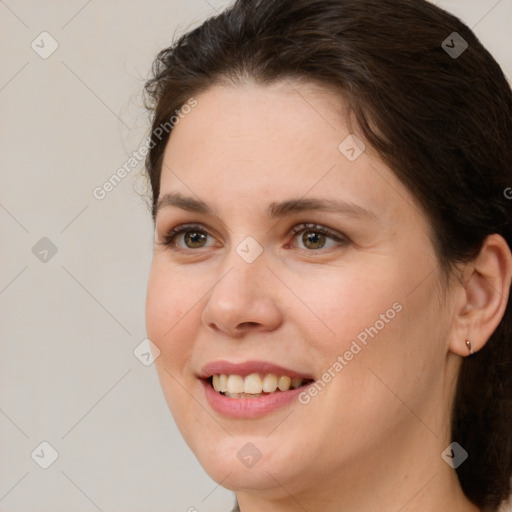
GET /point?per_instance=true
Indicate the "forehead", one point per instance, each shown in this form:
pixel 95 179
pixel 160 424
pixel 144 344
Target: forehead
pixel 249 143
pixel 257 119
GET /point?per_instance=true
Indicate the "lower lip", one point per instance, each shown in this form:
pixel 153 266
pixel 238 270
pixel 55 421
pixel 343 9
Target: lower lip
pixel 249 407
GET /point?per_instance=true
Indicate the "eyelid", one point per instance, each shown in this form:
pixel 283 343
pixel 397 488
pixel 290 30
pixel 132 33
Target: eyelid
pixel 340 238
pixel 305 226
pixel 169 238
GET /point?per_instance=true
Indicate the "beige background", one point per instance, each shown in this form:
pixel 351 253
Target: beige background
pixel 69 325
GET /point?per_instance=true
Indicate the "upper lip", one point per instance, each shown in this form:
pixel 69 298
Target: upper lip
pixel 246 368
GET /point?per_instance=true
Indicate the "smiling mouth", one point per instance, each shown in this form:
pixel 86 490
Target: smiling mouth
pixel 254 385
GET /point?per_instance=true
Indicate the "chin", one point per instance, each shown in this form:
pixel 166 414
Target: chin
pixel 235 465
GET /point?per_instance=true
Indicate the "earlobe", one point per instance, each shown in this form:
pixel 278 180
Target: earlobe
pixel 484 296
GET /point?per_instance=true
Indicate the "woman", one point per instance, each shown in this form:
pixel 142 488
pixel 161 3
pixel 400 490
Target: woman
pixel 331 273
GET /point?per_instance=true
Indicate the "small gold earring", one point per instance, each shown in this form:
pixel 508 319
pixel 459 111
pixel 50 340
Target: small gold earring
pixel 470 348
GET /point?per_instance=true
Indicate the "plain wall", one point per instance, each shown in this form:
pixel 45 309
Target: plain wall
pixel 70 321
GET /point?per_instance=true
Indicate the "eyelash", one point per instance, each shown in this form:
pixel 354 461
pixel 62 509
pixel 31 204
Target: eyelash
pixel 169 238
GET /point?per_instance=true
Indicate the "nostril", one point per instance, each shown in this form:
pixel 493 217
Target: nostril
pixel 248 325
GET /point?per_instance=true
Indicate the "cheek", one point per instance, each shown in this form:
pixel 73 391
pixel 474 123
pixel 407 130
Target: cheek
pixel 391 344
pixel 377 325
pixel 167 301
pixel 166 306
pixel 348 302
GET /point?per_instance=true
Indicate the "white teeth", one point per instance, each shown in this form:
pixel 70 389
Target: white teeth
pixel 223 383
pixel 253 384
pixel 284 383
pixel 269 383
pixel 236 386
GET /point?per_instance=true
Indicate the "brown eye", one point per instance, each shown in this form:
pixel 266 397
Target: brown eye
pixel 313 237
pixel 313 240
pixel 186 237
pixel 194 239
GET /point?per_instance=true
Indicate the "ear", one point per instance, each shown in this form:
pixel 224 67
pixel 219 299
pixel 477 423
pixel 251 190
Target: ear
pixel 484 296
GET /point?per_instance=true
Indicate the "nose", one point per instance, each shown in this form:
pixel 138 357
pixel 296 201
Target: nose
pixel 245 299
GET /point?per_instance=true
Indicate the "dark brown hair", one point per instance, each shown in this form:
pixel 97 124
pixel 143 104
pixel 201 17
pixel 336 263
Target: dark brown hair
pixel 441 121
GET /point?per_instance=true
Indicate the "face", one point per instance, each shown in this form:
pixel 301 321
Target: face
pixel 298 252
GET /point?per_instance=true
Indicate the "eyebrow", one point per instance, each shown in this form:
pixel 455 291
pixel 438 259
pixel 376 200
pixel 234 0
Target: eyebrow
pixel 275 209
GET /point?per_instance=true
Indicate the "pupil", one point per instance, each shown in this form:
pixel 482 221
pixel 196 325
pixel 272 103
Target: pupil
pixel 316 239
pixel 194 238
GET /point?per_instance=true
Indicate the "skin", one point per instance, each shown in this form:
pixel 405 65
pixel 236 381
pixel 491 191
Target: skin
pixel 373 437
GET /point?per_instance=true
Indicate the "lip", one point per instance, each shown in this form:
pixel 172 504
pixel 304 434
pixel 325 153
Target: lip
pixel 250 407
pixel 247 367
